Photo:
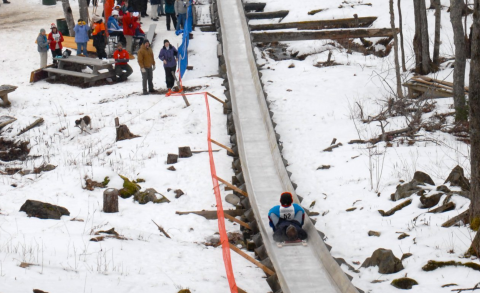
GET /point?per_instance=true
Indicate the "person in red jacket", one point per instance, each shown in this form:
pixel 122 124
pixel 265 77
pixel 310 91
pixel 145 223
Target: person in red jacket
pixel 121 63
pixel 128 30
pixel 55 40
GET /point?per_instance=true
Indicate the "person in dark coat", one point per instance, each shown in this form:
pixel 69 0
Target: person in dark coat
pixel 169 56
pixel 170 12
pixel 98 35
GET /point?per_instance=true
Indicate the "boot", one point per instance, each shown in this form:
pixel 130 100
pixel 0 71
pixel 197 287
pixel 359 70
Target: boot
pixel 145 93
pixel 168 93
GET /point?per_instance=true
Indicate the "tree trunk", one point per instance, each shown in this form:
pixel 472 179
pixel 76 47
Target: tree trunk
pixel 436 44
pixel 83 10
pixel 426 61
pixel 417 39
pixel 395 50
pixel 474 100
pixel 400 24
pixel 67 10
pixel 110 200
pixel 456 8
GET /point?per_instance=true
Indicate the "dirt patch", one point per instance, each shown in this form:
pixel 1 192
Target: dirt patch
pixel 13 150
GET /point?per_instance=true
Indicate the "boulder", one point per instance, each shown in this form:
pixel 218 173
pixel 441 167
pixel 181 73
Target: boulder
pixel 404 283
pixel 129 187
pixel 406 255
pixel 149 195
pixel 430 201
pixel 385 260
pixel 43 210
pixel 405 190
pixel 443 188
pixel 423 178
pixel 457 178
pixel 374 233
pixel 232 199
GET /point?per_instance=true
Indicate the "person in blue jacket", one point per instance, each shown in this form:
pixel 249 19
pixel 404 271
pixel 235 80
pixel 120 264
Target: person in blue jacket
pixel 81 37
pixel 114 29
pixel 287 220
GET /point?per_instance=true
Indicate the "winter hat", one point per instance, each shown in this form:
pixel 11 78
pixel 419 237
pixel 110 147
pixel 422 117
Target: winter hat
pixel 53 26
pixel 165 41
pixel 146 41
pixel 286 199
pixel 115 12
pixel 42 30
pixel 96 18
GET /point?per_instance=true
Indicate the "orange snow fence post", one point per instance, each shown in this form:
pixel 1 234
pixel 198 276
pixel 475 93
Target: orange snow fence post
pixel 108 8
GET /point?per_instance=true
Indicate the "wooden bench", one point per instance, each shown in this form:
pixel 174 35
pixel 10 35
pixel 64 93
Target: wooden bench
pixel 86 76
pixel 4 91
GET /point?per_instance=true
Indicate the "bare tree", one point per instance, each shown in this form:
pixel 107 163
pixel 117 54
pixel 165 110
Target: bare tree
pixel 421 46
pixel 400 24
pixel 474 100
pixel 83 6
pixel 67 10
pixel 395 51
pixel 456 9
pixel 436 43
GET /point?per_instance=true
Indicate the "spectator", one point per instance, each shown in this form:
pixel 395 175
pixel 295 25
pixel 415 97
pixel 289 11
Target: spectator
pixel 181 7
pixel 160 9
pixel 139 33
pixel 143 6
pixel 6 2
pixel 42 47
pixel 55 40
pixel 120 14
pixel 170 12
pixel 154 11
pixel 168 55
pixel 114 28
pixel 121 63
pixel 81 37
pixel 147 66
pixel 128 30
pixel 98 36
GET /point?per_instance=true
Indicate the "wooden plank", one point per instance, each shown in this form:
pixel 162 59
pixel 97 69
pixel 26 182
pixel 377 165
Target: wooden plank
pixel 267 15
pixel 223 146
pixel 233 219
pixel 252 260
pixel 424 89
pixel 102 64
pixel 317 24
pixel 212 215
pixel 432 84
pixel 257 6
pixel 450 84
pixel 233 187
pixel 69 42
pixel 209 94
pixel 187 104
pixel 39 74
pixel 71 73
pixel 322 34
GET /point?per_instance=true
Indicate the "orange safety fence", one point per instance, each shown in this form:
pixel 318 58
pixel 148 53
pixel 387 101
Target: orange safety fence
pixel 221 217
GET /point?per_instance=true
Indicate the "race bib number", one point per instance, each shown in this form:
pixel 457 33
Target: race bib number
pixel 287 213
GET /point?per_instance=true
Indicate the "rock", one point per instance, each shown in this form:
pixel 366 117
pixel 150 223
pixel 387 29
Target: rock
pixel 291 66
pixel 184 152
pixel 232 199
pixel 403 235
pixel 313 204
pixel 39 291
pixel 430 201
pixel 405 190
pixel 129 188
pixel 385 260
pixel 443 188
pixel 457 178
pixel 374 233
pixel 178 193
pixel 172 159
pixel 350 209
pixel 423 178
pixel 324 167
pixel 406 255
pixel 212 241
pixel 149 195
pixel 43 210
pixel 171 168
pixel 184 291
pixel 404 283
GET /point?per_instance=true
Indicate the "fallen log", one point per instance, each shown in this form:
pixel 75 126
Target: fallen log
pixel 356 141
pixel 317 24
pixel 330 148
pixel 322 35
pixel 160 228
pixel 443 208
pixel 212 215
pixel 254 6
pixel 395 209
pixel 462 217
pixel 267 15
pixel 5 120
pixel 34 124
pixel 385 136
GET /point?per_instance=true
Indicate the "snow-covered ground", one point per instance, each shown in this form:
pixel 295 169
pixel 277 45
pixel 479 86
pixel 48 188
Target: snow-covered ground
pixel 313 105
pixel 63 258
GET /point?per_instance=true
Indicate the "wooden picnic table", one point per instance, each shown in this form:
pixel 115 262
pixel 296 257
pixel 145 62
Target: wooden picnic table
pixel 95 64
pixel 4 91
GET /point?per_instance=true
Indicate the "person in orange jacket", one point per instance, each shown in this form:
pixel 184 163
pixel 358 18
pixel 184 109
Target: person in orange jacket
pixel 98 35
pixel 55 39
pixel 122 58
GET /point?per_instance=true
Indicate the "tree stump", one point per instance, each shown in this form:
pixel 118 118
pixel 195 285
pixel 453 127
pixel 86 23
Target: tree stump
pixel 110 200
pixel 184 152
pixel 123 132
pixel 172 159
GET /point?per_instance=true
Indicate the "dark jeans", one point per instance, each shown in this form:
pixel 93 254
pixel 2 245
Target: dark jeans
pixel 174 19
pixel 281 230
pixel 147 76
pixel 101 51
pixel 119 71
pixel 169 79
pixel 181 21
pixel 143 7
pixel 55 53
